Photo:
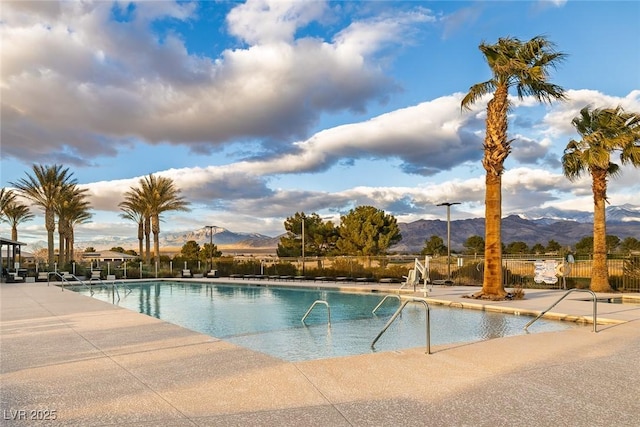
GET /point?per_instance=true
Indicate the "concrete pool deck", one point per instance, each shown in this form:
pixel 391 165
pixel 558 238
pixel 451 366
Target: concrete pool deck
pixel 85 362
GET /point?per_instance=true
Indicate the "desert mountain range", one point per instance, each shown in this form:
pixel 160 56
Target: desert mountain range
pixel 531 227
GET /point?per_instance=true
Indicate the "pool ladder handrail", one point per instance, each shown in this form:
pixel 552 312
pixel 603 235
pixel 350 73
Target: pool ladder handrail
pixel 398 312
pixel 384 299
pixel 64 280
pixel 595 308
pixel 313 305
pixel 114 285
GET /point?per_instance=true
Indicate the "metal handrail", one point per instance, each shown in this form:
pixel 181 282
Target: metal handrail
pixel 113 284
pixel 64 280
pixel 383 300
pixel 316 303
pixel 123 284
pixel 595 308
pixel 397 313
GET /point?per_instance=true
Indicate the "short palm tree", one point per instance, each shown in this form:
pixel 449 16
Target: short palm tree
pixel 524 66
pixel 6 196
pixel 44 189
pixel 133 210
pixel 16 213
pixel 604 132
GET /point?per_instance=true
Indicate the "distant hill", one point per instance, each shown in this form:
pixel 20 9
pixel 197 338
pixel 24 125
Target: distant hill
pixel 514 228
pixel 531 227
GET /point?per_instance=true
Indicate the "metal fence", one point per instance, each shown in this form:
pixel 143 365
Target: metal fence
pixel 521 270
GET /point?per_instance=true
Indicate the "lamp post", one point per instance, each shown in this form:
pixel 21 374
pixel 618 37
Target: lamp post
pixel 210 227
pixel 302 244
pixel 448 205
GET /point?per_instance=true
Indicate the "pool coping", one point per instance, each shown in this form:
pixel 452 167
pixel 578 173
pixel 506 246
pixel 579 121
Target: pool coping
pixel 96 364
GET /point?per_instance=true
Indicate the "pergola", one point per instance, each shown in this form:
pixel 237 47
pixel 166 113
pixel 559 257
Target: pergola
pixel 10 257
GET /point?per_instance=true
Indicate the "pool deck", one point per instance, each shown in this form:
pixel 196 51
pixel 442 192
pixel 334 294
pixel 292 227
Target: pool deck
pixel 89 363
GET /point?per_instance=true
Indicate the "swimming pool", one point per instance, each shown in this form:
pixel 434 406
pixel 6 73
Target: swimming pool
pixel 269 319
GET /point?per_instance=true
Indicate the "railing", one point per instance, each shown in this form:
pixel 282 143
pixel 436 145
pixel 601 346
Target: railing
pixel 398 312
pixel 383 300
pixel 64 280
pixel 313 305
pixel 114 285
pixel 595 308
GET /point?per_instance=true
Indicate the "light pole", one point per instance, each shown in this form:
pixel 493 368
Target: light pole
pixel 302 245
pixel 448 205
pixel 210 227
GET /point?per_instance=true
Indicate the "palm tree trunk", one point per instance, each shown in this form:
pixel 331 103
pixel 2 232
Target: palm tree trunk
pixel 61 252
pixel 71 243
pixel 492 285
pixel 140 238
pixel 147 238
pixel 156 237
pixel 496 150
pixel 14 232
pixel 50 223
pixel 599 270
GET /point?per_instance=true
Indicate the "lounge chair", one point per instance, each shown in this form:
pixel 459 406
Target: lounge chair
pixel 66 275
pixel 43 276
pixel 14 277
pixel 186 273
pixel 213 273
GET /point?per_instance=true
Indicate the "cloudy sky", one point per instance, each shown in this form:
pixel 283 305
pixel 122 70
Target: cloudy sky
pixel 260 109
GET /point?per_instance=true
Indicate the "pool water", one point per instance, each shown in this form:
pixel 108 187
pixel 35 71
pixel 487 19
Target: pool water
pixel 269 319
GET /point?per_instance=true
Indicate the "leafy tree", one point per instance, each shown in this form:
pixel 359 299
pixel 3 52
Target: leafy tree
pixel 45 188
pixel 585 246
pixel 367 231
pixel 474 245
pixel 629 244
pixel 525 66
pixel 434 246
pixel 208 252
pixel 117 249
pixel 319 237
pixel 16 213
pixel 517 248
pixel 537 248
pixel 605 132
pixel 190 251
pixel 553 246
pixel 89 249
pixel 612 243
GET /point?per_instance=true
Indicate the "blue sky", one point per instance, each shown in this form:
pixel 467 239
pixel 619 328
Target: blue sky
pixel 260 109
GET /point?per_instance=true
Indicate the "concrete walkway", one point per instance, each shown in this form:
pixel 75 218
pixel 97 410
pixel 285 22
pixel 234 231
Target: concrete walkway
pixel 85 362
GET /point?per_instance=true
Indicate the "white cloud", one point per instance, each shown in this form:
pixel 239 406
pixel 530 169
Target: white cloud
pixel 267 21
pixel 113 82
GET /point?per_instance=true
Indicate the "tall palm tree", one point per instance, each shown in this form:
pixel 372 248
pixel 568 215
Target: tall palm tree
pixel 524 66
pixel 604 132
pixel 44 188
pixel 154 196
pixel 72 208
pixel 16 213
pixel 161 196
